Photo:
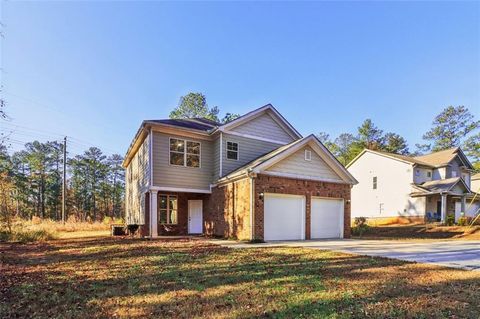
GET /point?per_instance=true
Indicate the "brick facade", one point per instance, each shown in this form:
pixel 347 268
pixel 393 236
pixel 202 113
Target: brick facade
pixel 228 212
pixel 282 185
pixel 181 228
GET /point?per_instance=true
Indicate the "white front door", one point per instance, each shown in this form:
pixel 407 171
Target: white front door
pixel 284 217
pixel 326 218
pixel 195 216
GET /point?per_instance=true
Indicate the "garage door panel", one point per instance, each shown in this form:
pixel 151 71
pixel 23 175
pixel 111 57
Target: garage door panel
pixel 284 217
pixel 326 218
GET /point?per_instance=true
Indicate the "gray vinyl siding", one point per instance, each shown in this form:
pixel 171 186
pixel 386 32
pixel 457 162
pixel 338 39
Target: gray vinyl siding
pixel 166 175
pixel 296 164
pixel 137 177
pixel 264 126
pixel 248 150
pixel 216 158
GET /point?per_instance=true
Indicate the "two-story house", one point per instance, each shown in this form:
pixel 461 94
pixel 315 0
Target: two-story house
pixel 431 186
pixel 255 177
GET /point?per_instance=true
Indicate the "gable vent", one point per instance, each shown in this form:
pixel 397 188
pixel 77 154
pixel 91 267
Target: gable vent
pixel 308 155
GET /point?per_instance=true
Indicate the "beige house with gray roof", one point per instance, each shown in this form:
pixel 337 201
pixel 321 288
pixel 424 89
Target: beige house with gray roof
pixel 253 178
pixel 431 186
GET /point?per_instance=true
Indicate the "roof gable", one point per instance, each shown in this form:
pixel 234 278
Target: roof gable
pixel 396 157
pixel 316 167
pixel 437 159
pixel 445 157
pixel 264 119
pixel 263 163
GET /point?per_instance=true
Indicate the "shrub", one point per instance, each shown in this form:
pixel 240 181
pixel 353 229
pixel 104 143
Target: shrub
pixel 107 220
pixel 450 221
pixel 464 221
pixel 360 226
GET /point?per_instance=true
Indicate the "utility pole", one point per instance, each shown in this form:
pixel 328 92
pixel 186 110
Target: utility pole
pixel 64 189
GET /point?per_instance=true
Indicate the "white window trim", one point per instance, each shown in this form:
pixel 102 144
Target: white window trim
pixel 309 157
pixel 168 210
pixel 226 150
pixel 185 153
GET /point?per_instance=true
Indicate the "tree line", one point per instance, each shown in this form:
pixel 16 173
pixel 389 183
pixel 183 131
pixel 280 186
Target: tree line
pixel 452 127
pixel 31 183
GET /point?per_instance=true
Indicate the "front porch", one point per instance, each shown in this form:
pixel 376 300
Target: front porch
pixel 439 206
pixel 170 213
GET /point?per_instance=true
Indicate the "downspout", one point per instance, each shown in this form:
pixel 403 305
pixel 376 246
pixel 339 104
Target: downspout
pixel 252 205
pixel 150 181
pixel 220 173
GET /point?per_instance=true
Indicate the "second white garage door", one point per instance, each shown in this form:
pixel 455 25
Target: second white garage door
pixel 327 218
pixel 284 217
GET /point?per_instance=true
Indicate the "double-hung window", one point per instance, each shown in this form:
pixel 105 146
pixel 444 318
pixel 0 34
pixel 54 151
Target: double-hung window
pixel 374 186
pixel 184 153
pixel 232 151
pixel 167 209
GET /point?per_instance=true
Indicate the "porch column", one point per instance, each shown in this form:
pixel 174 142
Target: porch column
pixel 464 205
pixel 444 208
pixel 153 213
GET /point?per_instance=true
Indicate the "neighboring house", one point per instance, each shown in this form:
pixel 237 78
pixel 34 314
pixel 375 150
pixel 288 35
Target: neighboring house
pixel 430 186
pixel 475 184
pixel 253 178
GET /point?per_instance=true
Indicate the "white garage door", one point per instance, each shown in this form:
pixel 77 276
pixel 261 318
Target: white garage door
pixel 284 217
pixel 327 218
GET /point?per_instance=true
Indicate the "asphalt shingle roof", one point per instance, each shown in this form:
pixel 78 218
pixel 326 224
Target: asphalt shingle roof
pixel 200 124
pixel 439 158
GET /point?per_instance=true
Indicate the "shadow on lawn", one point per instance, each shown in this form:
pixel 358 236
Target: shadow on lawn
pixel 193 278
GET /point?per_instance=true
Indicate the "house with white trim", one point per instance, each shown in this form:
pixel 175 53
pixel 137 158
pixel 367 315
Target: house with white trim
pixel 428 187
pixel 254 178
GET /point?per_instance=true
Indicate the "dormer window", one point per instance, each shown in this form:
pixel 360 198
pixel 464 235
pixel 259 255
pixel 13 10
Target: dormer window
pixel 429 174
pixel 232 151
pixel 454 174
pixel 308 155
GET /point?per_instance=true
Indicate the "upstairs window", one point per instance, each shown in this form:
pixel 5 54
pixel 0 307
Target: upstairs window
pixel 232 151
pixel 184 153
pixel 429 174
pixel 374 182
pixel 308 155
pixel 454 173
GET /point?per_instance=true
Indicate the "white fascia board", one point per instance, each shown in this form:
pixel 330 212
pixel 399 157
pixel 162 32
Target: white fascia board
pixel 306 177
pixel 253 137
pixel 180 190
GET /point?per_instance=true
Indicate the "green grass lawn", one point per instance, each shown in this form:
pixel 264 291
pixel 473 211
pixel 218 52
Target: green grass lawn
pixel 106 277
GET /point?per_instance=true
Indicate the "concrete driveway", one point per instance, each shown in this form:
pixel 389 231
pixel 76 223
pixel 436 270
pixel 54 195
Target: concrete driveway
pixel 449 253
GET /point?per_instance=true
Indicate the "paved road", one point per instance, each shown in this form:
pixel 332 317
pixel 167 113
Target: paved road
pixel 449 253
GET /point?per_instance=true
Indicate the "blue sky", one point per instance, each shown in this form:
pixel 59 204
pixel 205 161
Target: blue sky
pixel 95 70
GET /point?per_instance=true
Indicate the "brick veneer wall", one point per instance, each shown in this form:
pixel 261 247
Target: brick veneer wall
pixel 181 228
pixel 282 185
pixel 228 212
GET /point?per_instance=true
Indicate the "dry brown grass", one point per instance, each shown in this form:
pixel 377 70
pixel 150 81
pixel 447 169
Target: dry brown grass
pixel 423 232
pixel 42 230
pixel 111 277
